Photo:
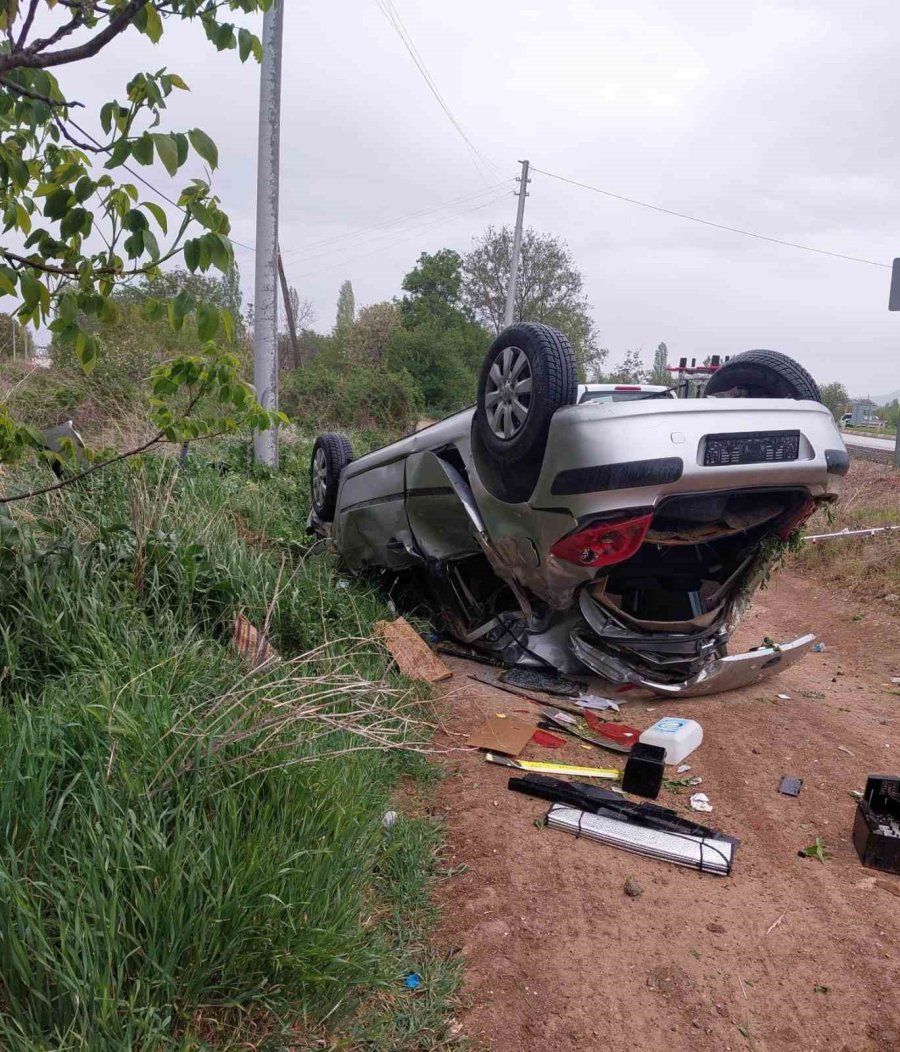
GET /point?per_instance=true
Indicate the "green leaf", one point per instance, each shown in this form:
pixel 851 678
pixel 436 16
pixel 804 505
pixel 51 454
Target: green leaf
pixel 205 147
pixel 228 325
pixel 167 152
pixel 86 350
pixel 7 287
pixel 152 26
pixel 142 149
pixel 207 321
pixel 158 213
pixel 176 82
pixel 192 254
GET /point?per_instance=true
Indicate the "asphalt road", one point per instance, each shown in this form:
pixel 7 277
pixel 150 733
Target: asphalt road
pixel 867 441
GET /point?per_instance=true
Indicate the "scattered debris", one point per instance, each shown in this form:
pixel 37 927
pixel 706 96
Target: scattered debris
pixel 843 748
pixel 895 680
pixel 675 785
pixel 547 740
pixel 682 768
pixel 644 770
pixel 876 826
pixel 594 701
pixel 716 928
pixel 820 988
pixel 790 785
pixel 677 736
pixel 413 981
pixel 388 819
pixel 447 646
pixel 857 794
pixel 414 657
pixel 620 736
pixel 611 774
pixel 819 648
pixel 700 802
pixel 817 849
pixel 253 646
pixel 783 697
pixel 548 683
pixel 632 889
pixel 505 735
pixel 707 854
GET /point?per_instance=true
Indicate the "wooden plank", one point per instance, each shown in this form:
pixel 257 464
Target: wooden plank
pixel 413 655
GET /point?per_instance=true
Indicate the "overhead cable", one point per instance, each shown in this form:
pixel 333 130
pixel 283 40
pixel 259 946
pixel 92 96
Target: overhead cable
pixel 709 222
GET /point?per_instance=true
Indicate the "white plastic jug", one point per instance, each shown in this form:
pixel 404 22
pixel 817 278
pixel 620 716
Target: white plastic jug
pixel 679 737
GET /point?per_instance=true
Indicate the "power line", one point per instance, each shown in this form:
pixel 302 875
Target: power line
pixel 329 245
pixel 407 237
pixel 390 12
pixel 709 222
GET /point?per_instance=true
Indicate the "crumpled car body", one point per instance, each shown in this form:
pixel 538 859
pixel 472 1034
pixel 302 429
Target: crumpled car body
pixel 647 527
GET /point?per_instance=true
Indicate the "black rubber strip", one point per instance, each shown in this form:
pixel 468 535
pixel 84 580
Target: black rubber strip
pixel 630 475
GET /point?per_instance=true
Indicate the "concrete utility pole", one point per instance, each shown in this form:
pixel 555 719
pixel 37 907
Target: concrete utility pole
pixel 265 316
pixel 517 247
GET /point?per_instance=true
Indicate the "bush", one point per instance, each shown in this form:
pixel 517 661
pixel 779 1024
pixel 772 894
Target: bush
pixel 443 361
pixel 329 393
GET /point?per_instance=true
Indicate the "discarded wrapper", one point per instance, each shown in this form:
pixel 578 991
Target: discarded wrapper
pixel 700 802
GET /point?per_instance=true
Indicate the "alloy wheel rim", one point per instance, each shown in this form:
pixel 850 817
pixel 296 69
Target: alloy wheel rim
pixel 320 477
pixel 508 391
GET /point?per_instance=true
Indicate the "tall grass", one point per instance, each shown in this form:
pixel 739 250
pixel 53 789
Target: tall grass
pixel 167 863
pixel 867 568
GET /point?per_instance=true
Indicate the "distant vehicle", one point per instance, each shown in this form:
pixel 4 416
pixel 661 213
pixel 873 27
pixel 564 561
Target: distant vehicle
pixel 612 393
pixel 611 528
pixel 847 420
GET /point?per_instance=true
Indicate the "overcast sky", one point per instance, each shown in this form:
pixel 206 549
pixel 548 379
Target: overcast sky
pixel 775 117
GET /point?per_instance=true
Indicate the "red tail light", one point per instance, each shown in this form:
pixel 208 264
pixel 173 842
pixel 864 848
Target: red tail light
pixel 603 543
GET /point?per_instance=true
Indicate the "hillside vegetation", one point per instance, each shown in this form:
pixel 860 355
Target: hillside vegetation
pixel 193 856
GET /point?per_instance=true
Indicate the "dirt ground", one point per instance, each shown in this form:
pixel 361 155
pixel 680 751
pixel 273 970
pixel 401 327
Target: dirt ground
pixel 789 954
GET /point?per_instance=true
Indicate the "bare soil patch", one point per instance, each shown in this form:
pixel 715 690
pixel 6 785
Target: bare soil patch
pixel 786 955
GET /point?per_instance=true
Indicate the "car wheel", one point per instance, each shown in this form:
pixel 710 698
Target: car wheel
pixel 528 373
pixel 331 453
pixel 763 374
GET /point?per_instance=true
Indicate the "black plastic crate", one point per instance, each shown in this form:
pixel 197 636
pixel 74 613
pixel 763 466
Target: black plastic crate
pixel 876 827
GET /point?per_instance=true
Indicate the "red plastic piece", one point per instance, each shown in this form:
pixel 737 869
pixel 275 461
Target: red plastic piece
pixel 603 543
pixel 548 740
pixel 616 732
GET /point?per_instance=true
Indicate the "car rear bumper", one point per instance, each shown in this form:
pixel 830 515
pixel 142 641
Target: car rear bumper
pixel 725 673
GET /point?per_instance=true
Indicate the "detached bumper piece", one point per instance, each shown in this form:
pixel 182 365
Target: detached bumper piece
pixel 727 673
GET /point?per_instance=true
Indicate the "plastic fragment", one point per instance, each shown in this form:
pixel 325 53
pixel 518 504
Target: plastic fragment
pixel 700 802
pixel 683 768
pixel 413 981
pixel 818 648
pixel 388 819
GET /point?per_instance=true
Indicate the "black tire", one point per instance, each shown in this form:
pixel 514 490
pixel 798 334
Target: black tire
pixel 512 424
pixel 763 374
pixel 331 453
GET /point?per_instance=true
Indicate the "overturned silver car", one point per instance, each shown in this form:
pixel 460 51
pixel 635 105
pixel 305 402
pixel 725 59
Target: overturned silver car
pixel 557 525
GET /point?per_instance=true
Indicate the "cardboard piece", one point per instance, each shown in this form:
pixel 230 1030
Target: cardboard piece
pixel 506 735
pixel 252 645
pixel 413 655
